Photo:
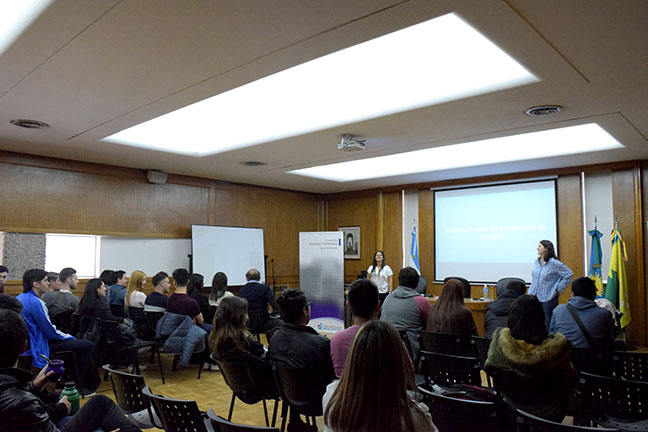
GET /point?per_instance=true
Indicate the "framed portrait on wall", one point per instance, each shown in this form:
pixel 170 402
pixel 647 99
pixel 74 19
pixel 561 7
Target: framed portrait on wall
pixel 351 239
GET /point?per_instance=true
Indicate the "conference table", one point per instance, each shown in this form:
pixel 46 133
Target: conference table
pixel 477 307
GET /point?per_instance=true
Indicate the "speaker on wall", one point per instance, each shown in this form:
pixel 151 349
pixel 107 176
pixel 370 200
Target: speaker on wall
pixel 157 177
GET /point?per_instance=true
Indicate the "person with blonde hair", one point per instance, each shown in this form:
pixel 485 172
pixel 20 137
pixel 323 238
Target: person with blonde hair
pixel 135 297
pixel 371 395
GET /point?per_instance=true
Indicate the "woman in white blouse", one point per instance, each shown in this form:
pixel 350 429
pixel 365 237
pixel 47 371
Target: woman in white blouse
pixel 381 274
pixel 135 296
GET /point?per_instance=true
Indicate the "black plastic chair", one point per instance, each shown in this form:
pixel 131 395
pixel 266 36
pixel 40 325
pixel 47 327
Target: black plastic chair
pixel 464 283
pixel 530 423
pixel 444 343
pixel 502 285
pixel 239 379
pixel 630 365
pixel 445 370
pixel 129 398
pixel 138 316
pixel 63 321
pixel 480 347
pixel 222 425
pixel 615 403
pixel 459 415
pixel 178 415
pixel 118 310
pixel 300 390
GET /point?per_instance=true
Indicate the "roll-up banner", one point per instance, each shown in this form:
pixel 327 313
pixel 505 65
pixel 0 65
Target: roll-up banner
pixel 321 278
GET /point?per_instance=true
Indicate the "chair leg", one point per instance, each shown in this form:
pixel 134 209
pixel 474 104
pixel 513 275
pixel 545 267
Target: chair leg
pixel 160 363
pixel 274 412
pixel 105 376
pixel 231 411
pixel 265 412
pixel 284 415
pixel 175 362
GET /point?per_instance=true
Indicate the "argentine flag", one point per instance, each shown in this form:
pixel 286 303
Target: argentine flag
pixel 414 259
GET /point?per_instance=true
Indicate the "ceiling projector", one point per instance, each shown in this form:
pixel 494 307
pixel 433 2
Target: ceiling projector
pixel 349 143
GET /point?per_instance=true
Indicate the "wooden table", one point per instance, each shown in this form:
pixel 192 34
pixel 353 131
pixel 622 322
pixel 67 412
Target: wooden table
pixel 478 309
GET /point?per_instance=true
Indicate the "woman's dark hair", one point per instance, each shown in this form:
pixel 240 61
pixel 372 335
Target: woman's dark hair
pixel 448 314
pixel 375 264
pixel 377 374
pixel 89 296
pixel 291 305
pixel 229 333
pixel 196 284
pixel 106 277
pixel 550 251
pixel 218 286
pixel 526 320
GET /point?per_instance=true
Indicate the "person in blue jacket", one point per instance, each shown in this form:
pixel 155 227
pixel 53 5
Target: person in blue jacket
pixel 44 338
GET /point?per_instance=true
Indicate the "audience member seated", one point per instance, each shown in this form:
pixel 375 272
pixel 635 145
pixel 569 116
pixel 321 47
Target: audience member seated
pixel 258 296
pixel 372 393
pixel 406 309
pixel 180 303
pixel 93 303
pixel 4 273
pixel 196 286
pixel 61 297
pixel 231 341
pixel 135 296
pixel 219 289
pixel 296 345
pixel 363 302
pixel 525 348
pixel 22 407
pixel 117 289
pixel 10 303
pixel 596 321
pixel 44 338
pixel 497 312
pixel 157 300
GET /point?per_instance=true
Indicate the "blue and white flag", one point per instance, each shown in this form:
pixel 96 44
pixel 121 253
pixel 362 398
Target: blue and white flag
pixel 414 259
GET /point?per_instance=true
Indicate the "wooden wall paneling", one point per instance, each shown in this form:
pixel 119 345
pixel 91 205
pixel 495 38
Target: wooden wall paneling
pixel 53 200
pixel 624 205
pixel 281 214
pixel 392 230
pixel 643 306
pixel 570 226
pixel 426 236
pixel 353 209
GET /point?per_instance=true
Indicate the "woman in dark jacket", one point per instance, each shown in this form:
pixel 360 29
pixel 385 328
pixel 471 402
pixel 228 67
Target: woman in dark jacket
pixel 196 285
pixel 231 341
pixel 93 303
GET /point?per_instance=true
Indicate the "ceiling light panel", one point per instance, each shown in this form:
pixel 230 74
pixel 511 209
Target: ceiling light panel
pixel 548 143
pixel 437 61
pixel 16 16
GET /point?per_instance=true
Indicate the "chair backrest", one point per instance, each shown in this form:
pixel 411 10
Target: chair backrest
pixel 446 370
pixel 422 285
pixel 452 414
pixel 516 387
pixel 584 360
pixel 444 343
pixel 630 365
pixel 502 284
pixel 63 321
pixel 222 425
pixel 464 283
pixel 176 415
pixel 238 379
pixel 480 347
pixel 255 323
pixel 530 423
pixel 138 316
pixel 623 399
pixel 408 344
pixel 152 318
pixel 300 387
pixel 117 310
pixel 128 390
pixel 111 331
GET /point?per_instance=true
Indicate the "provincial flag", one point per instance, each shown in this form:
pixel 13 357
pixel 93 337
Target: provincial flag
pixel 616 290
pixel 596 256
pixel 414 259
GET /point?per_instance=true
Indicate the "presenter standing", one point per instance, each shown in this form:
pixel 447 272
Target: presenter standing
pixel 381 274
pixel 549 278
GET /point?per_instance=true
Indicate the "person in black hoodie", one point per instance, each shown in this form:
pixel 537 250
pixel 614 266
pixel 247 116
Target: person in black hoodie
pixel 22 407
pixel 498 311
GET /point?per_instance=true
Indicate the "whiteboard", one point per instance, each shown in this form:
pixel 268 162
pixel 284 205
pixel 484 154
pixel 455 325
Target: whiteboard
pixel 231 250
pixel 149 255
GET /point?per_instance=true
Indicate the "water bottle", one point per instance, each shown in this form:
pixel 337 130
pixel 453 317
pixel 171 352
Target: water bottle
pixel 72 395
pixel 485 292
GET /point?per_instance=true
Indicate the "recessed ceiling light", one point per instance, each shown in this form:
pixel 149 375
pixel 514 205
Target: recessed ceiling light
pixel 543 110
pixel 437 61
pixel 29 124
pixel 16 16
pixel 584 138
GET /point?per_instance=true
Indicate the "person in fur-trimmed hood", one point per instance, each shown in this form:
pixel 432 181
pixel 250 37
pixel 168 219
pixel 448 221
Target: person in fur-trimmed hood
pixel 547 380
